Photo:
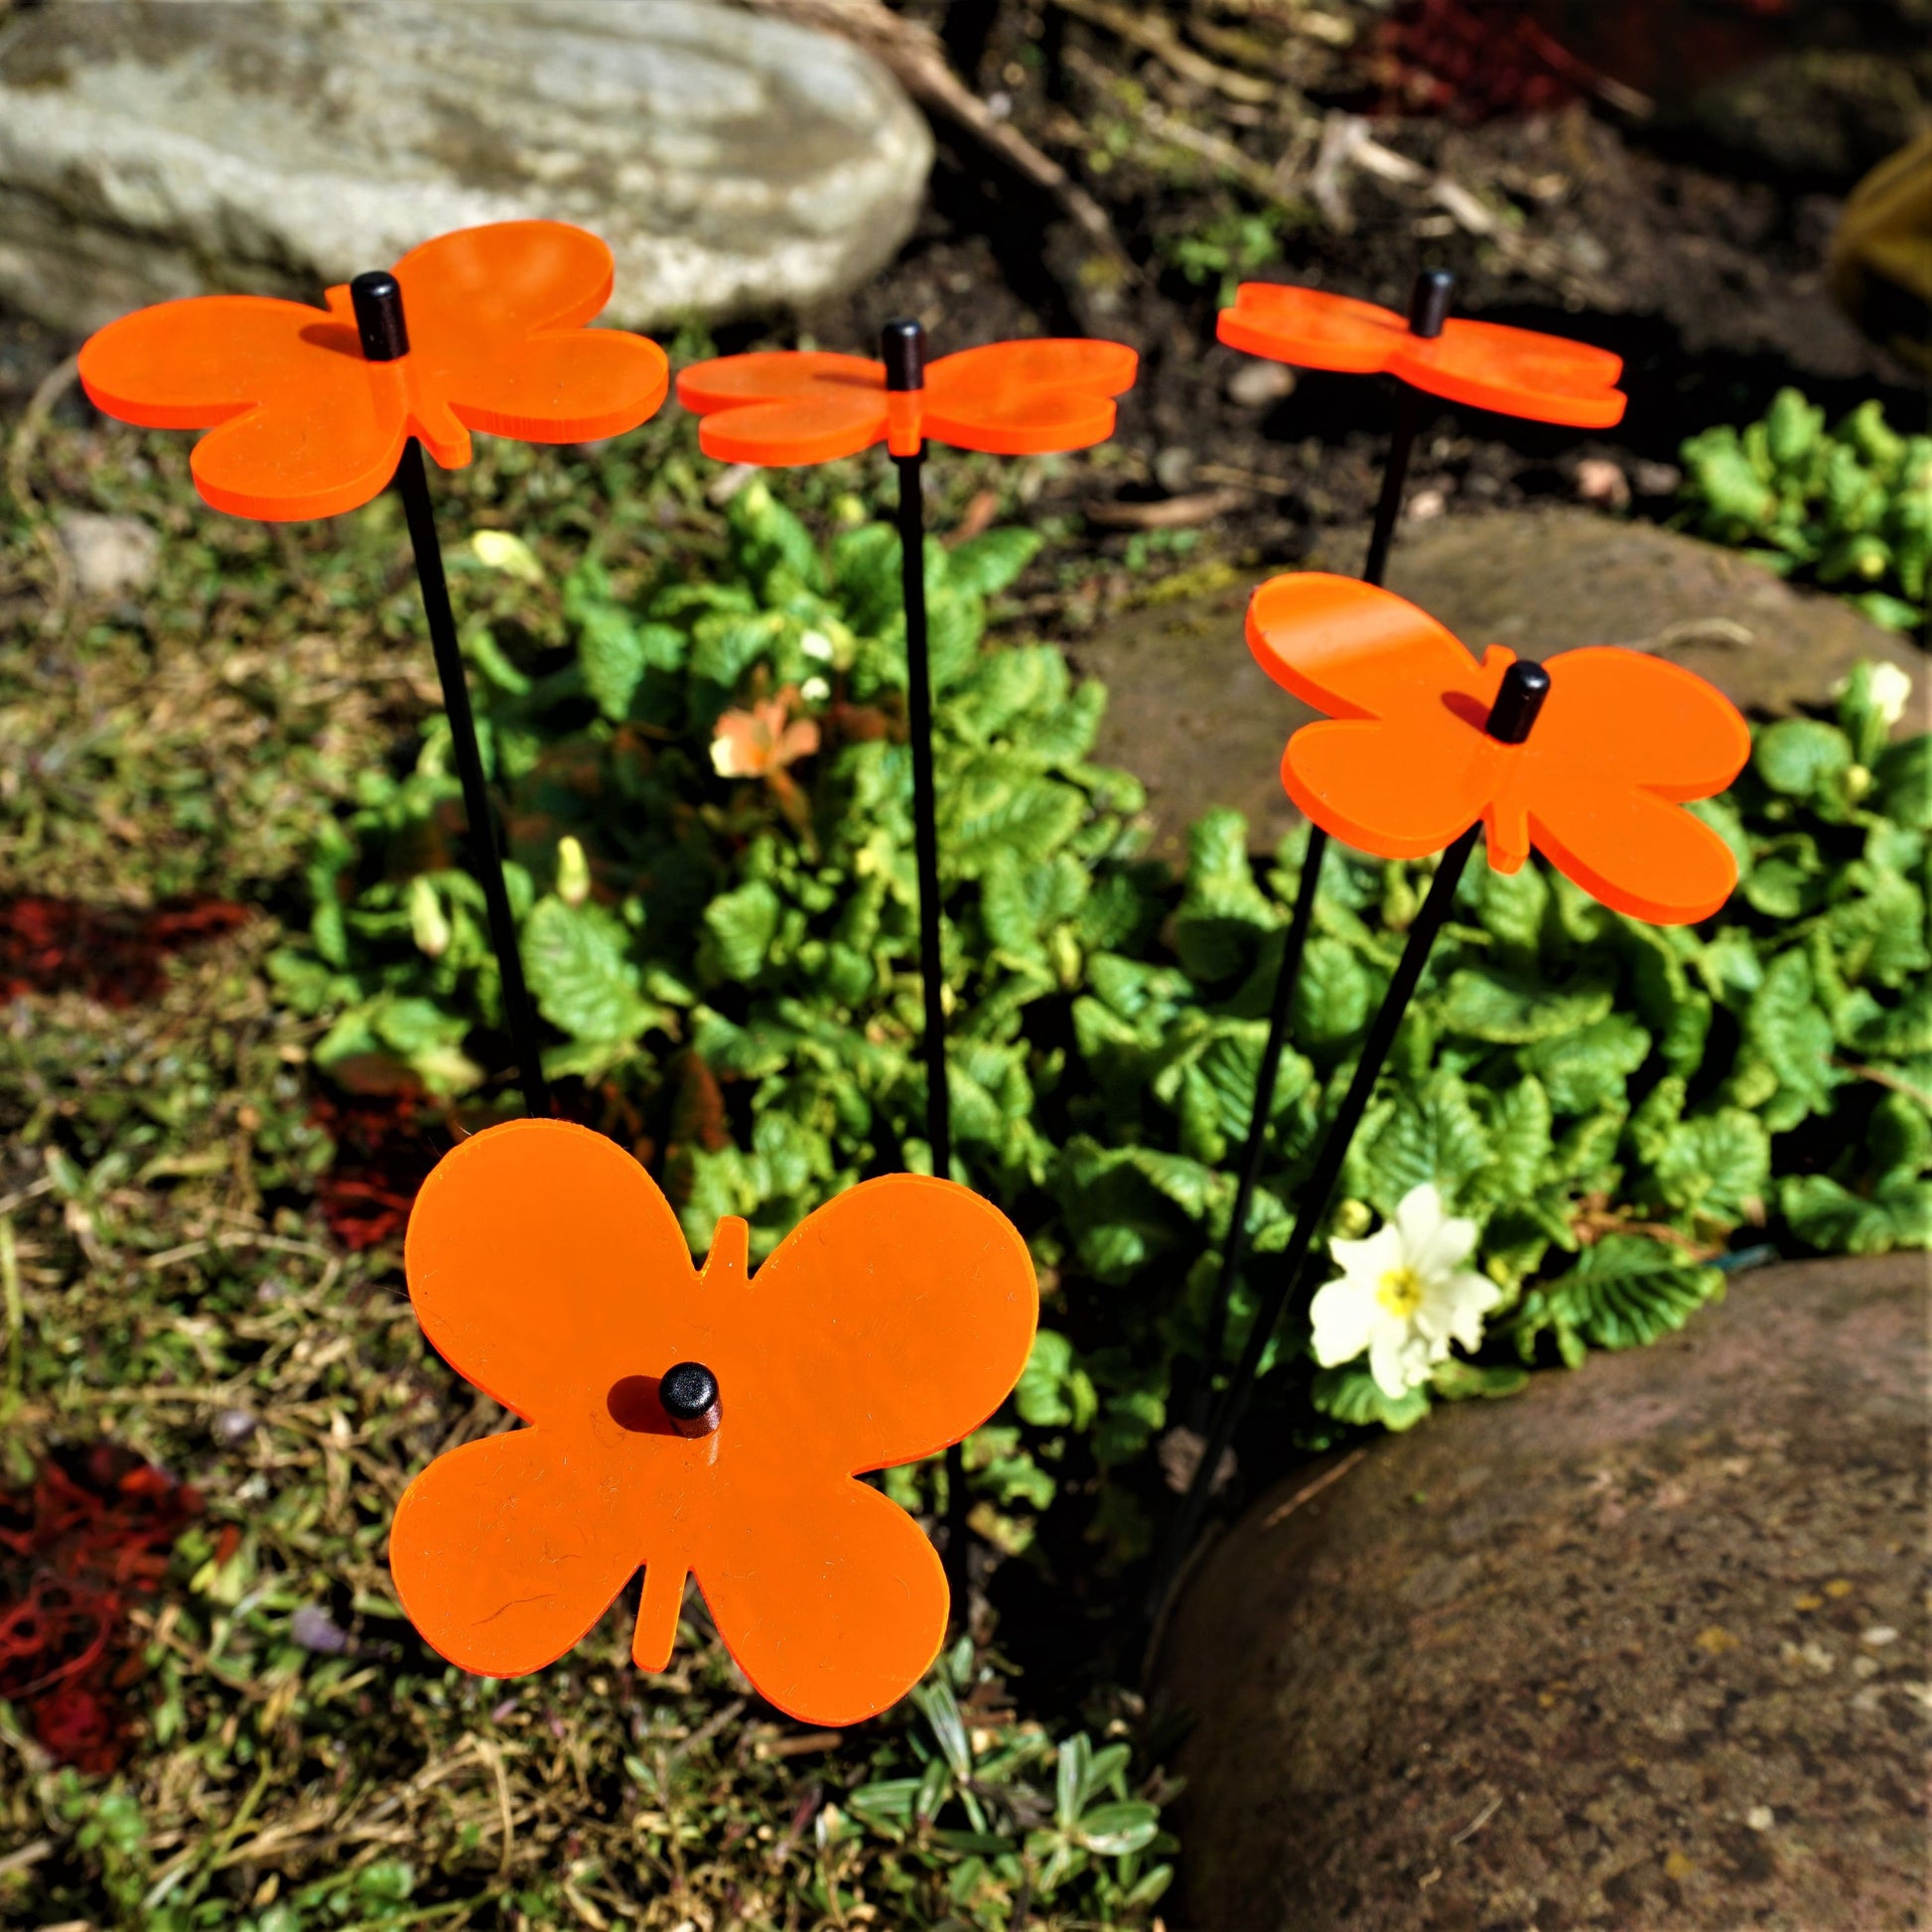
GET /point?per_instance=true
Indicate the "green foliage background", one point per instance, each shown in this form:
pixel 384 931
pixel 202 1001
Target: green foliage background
pixel 1849 506
pixel 1611 1101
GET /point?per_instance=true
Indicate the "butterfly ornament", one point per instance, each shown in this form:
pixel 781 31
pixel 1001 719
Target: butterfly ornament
pixel 1404 764
pixel 306 422
pixel 795 406
pixel 1514 371
pixel 1590 758
pixel 706 1422
pixel 311 412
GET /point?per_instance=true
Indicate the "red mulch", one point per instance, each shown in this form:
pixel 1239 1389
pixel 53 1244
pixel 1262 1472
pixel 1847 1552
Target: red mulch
pixel 113 953
pixel 77 1550
pixel 385 1146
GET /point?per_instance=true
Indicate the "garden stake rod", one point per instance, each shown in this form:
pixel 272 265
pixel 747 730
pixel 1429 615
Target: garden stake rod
pixel 1523 690
pixel 902 348
pixel 379 320
pixel 1428 310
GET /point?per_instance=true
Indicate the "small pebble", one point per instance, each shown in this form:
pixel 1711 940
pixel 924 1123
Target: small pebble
pixel 1172 469
pixel 1599 480
pixel 1425 506
pixel 1259 382
pixel 1879 1635
pixel 233 1427
pixel 314 1629
pixel 111 555
pixel 1760 1817
pixel 1656 478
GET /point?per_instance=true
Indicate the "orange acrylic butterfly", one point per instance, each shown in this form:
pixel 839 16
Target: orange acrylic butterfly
pixel 1515 372
pixel 550 1271
pixel 1405 765
pixel 792 406
pixel 304 426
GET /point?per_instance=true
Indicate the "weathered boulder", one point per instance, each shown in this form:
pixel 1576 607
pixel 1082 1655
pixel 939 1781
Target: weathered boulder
pixel 1192 714
pixel 1645 1647
pixel 150 150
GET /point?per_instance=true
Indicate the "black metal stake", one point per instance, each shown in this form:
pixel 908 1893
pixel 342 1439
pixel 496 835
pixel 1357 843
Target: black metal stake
pixel 379 320
pixel 1524 687
pixel 902 348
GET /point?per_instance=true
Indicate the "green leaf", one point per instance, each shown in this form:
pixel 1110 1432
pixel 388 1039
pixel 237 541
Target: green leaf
pixel 1332 995
pixel 740 928
pixel 1583 1070
pixel 1827 1216
pixel 1624 1291
pixel 1052 1393
pixel 986 565
pixel 1801 757
pixel 1115 1831
pixel 1512 1010
pixel 578 964
pixel 1353 1395
pixel 1433 1136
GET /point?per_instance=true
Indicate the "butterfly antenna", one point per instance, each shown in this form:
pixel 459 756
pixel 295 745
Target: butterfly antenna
pixel 376 298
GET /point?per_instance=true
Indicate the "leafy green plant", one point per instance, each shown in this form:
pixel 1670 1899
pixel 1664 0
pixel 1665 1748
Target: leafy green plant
pixel 1851 507
pixel 720 934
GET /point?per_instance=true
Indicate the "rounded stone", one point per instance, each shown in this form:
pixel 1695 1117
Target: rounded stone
pixel 1645 1647
pixel 732 163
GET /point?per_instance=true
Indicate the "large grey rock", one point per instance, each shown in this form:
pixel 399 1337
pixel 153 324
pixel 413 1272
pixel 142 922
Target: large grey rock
pixel 155 148
pixel 1192 715
pixel 1645 1647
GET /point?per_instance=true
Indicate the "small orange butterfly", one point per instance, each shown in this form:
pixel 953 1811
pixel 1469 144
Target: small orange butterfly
pixel 1405 765
pixel 304 426
pixel 792 406
pixel 548 1270
pixel 1515 372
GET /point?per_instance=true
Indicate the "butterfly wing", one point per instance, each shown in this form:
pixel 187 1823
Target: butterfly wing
pixel 785 406
pixel 1311 327
pixel 1027 398
pixel 301 425
pixel 1622 740
pixel 497 341
pixel 1517 372
pixel 547 1269
pixel 894 1320
pixel 1406 765
pixel 506 1550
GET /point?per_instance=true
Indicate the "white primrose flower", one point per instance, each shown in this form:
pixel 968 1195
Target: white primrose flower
pixel 1403 1295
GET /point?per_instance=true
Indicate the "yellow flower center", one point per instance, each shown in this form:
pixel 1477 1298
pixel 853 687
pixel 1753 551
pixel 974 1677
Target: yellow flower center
pixel 1400 1292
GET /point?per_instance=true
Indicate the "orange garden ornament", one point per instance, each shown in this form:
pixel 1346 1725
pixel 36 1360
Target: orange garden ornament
pixel 307 422
pixel 312 411
pixel 794 406
pixel 703 1420
pixel 1591 757
pixel 1514 371
pixel 1622 742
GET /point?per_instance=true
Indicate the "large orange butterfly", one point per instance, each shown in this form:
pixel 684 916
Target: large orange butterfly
pixel 1515 372
pixel 304 426
pixel 790 406
pixel 548 1270
pixel 1405 765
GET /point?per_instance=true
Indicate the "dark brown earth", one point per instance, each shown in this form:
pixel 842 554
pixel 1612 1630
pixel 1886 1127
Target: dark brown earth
pixel 1190 714
pixel 1642 1649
